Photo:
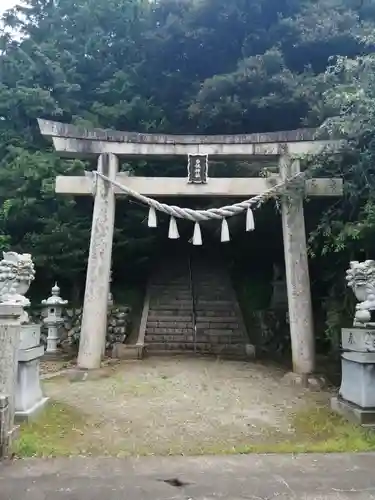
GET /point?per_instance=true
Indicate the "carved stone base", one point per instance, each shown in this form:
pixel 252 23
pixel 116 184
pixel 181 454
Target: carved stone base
pixel 353 413
pixel 358 378
pixel 29 396
pixel 124 351
pixel 32 412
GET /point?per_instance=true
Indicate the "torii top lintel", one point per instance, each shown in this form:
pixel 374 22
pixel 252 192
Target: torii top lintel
pixel 72 141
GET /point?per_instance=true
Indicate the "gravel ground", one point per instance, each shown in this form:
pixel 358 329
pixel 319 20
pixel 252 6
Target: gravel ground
pixel 185 405
pixel 48 367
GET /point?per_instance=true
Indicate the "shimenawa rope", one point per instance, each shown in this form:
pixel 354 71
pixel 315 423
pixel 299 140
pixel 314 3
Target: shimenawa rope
pixel 198 216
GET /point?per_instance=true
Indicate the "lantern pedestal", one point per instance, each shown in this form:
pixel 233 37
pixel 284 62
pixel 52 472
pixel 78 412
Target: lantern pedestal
pixel 53 336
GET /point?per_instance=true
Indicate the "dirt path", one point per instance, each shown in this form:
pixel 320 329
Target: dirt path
pixel 173 405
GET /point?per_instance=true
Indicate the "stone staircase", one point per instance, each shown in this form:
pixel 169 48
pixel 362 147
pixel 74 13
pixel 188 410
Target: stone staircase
pixel 192 308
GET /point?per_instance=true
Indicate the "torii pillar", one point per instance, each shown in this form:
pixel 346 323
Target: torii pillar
pixel 95 305
pixel 297 272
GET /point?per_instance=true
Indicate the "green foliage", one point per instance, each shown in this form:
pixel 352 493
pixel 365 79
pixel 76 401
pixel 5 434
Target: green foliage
pixel 347 230
pixel 213 66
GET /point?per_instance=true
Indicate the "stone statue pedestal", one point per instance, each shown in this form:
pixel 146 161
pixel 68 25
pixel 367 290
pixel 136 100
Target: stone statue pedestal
pixel 29 396
pixel 10 325
pixel 356 399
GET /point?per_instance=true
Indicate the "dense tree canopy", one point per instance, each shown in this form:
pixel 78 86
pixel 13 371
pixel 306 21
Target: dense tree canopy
pixel 210 66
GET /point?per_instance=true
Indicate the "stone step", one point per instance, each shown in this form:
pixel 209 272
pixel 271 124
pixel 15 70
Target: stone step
pixel 165 336
pixel 171 312
pixel 170 289
pixel 207 314
pixel 219 285
pixel 219 331
pixel 201 315
pixel 239 349
pixel 222 340
pixel 186 321
pixel 167 346
pixel 173 283
pixel 217 328
pixel 177 323
pixel 189 339
pixel 213 282
pixel 212 289
pixel 183 285
pixel 166 288
pixel 186 314
pixel 218 309
pixel 198 299
pixel 213 328
pixel 216 303
pixel 160 288
pixel 164 331
pixel 213 297
pixel 166 299
pixel 242 356
pixel 171 301
pixel 155 317
pixel 197 303
pixel 162 338
pixel 203 319
pixel 170 328
pixel 224 284
pixel 176 309
pixel 186 287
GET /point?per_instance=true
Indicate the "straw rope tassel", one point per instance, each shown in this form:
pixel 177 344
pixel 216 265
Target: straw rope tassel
pixel 225 237
pixel 197 236
pixel 173 233
pixel 250 224
pixel 152 219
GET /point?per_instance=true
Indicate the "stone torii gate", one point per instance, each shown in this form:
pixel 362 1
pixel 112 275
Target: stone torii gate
pixel 109 146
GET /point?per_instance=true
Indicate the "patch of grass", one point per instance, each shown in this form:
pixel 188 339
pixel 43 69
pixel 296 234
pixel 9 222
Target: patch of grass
pixel 62 431
pixel 318 430
pixel 58 431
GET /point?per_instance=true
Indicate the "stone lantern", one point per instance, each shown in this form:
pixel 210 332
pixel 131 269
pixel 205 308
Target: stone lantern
pixel 54 307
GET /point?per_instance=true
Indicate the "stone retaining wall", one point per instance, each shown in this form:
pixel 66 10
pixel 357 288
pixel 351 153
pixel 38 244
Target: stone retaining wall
pixel 118 325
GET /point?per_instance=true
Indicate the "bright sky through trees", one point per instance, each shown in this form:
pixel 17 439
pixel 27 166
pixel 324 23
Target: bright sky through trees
pixel 6 4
